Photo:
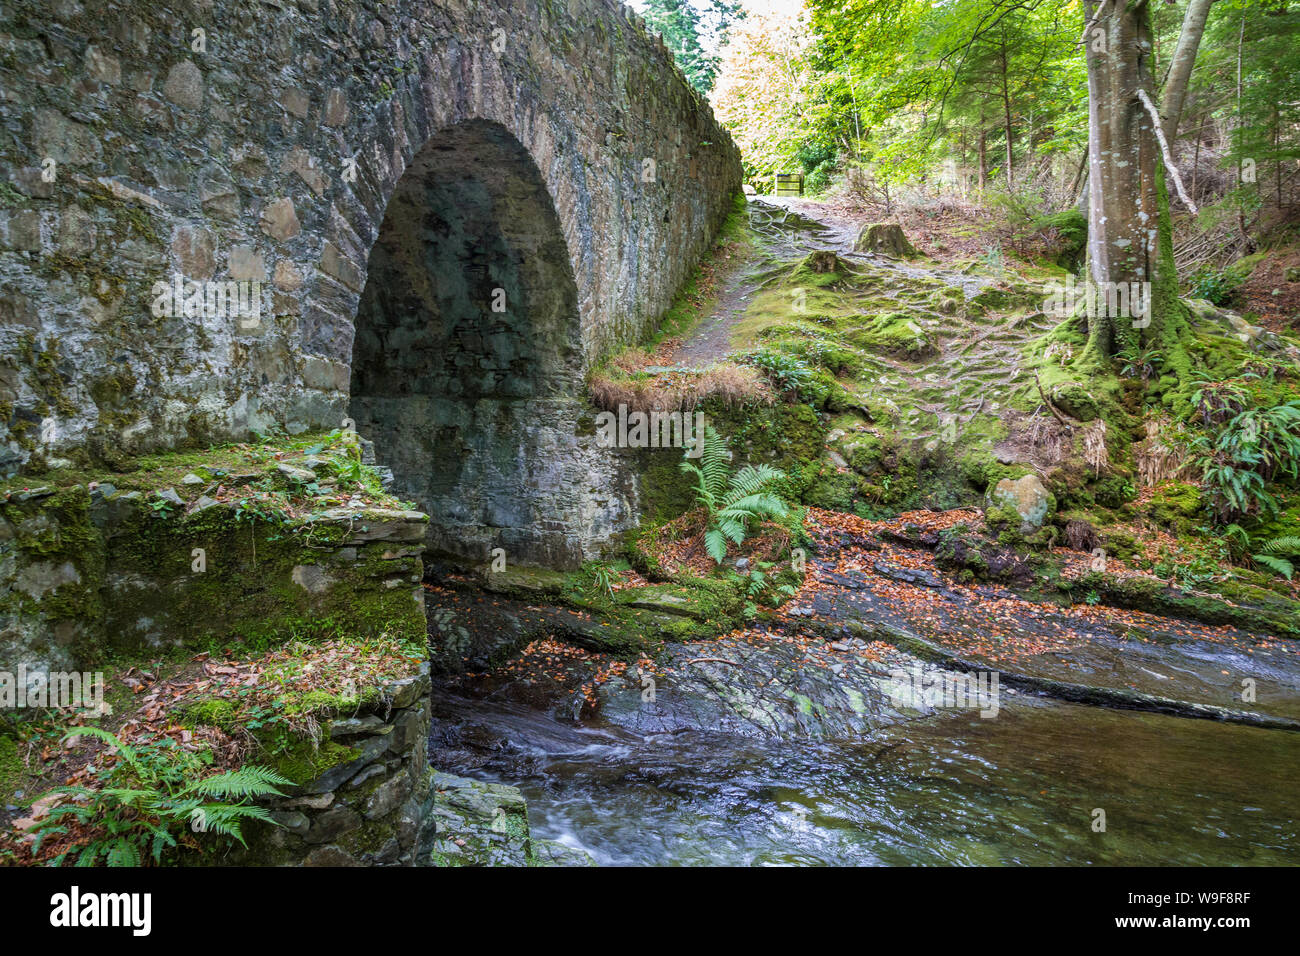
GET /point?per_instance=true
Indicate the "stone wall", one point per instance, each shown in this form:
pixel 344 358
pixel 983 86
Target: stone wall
pixel 88 571
pixel 261 142
pixel 374 807
pixel 380 804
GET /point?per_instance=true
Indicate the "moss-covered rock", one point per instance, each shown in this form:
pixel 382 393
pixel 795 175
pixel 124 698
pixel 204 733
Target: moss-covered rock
pixel 1177 505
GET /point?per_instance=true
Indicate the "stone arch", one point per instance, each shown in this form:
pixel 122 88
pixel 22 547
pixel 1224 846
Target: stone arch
pixel 467 348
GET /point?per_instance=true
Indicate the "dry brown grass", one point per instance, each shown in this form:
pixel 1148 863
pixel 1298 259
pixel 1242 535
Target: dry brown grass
pixel 1157 460
pixel 678 389
pixel 1095 452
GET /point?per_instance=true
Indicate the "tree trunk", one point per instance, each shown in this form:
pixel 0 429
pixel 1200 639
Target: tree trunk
pixel 1077 185
pixel 1277 167
pixel 1122 170
pixel 1241 201
pixel 1196 156
pixel 984 160
pixel 1006 111
pixel 1180 67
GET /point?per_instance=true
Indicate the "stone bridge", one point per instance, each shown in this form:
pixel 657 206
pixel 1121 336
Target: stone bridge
pixel 439 216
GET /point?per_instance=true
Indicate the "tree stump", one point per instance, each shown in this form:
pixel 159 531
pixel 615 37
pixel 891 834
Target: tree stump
pixel 823 261
pixel 884 238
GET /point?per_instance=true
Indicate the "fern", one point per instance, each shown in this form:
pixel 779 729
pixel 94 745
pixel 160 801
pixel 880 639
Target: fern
pixel 1271 556
pixel 732 501
pixel 150 797
pixel 1279 565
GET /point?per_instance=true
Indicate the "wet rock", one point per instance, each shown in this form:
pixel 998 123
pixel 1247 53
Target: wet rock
pixel 908 575
pixel 913 535
pixel 554 853
pixel 982 558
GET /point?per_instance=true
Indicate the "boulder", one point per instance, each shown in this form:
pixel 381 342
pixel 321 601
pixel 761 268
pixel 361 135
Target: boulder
pixel 1027 496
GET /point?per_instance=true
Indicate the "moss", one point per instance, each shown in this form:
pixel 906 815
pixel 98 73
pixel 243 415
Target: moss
pixel 1176 505
pixel 369 838
pixel 1007 298
pixel 12 770
pixel 983 471
pixel 896 333
pixel 246 594
pixel 1076 400
pixel 250 591
pixel 211 711
pixel 1284 524
pixel 1245 606
pixel 301 759
pixel 56 530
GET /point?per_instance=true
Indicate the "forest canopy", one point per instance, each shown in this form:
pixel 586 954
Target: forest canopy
pixel 974 94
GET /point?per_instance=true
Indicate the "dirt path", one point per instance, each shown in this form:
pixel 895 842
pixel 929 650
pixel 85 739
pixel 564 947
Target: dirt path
pixel 711 339
pixel 790 228
pixel 800 233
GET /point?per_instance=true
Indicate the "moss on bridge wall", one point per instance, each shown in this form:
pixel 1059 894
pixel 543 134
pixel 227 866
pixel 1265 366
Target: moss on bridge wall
pixel 235 551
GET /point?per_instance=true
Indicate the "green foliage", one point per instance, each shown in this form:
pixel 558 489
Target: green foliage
pixel 150 797
pixel 684 29
pixel 1139 361
pixel 731 500
pixel 1249 450
pixel 1276 555
pixel 790 376
pixel 907 85
pixel 1214 285
pixel 602 579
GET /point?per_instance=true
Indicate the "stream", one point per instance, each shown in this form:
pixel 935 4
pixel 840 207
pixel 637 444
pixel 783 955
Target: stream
pixel 952 789
pixel 789 744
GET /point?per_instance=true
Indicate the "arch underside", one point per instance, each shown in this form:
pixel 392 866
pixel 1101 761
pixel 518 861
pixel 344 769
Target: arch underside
pixel 467 363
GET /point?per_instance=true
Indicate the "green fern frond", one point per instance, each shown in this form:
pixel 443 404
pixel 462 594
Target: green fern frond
pixel 1287 544
pixel 1278 565
pixel 716 544
pixel 249 781
pixel 123 853
pixel 732 501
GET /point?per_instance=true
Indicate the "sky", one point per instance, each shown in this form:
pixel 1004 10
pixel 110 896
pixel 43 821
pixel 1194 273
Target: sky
pixel 753 6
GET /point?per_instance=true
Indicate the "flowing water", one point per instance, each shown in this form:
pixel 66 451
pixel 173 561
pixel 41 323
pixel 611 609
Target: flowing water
pixel 770 759
pixel 1022 788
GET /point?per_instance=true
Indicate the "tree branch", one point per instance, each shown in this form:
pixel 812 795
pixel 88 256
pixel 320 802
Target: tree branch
pixel 1164 149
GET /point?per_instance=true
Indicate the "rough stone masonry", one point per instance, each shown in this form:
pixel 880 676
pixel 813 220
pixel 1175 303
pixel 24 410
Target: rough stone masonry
pixel 440 214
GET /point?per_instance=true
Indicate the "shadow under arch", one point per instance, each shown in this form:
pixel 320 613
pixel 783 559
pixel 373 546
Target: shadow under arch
pixel 467 362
